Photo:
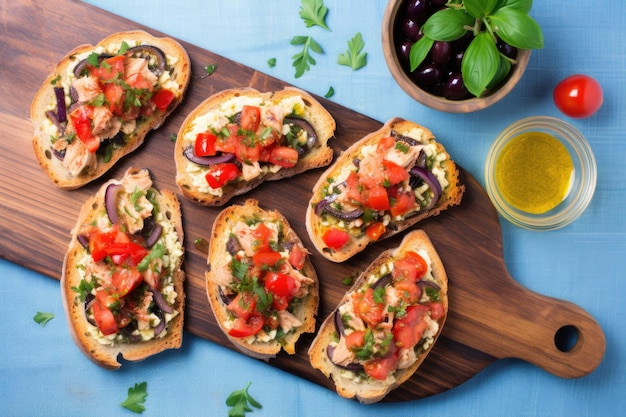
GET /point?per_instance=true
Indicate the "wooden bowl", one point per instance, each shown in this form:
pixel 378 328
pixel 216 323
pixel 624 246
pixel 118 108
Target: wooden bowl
pixel 400 74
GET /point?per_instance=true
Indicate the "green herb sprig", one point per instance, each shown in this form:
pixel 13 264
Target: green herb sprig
pixel 136 398
pixel 303 60
pixel 354 57
pixel 240 402
pixel 483 65
pixel 43 318
pixel 313 13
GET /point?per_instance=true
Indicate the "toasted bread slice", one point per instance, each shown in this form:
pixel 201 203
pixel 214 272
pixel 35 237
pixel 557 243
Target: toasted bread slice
pixel 289 120
pixel 101 125
pixel 405 319
pixel 109 313
pixel 258 267
pixel 348 210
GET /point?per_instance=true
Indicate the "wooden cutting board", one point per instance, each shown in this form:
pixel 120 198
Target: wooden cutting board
pixel 491 316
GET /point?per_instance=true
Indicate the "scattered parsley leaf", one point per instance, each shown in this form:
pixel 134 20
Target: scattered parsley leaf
pixel 330 92
pixel 209 70
pixel 173 137
pixel 43 318
pixel 136 397
pixel 271 62
pixel 56 80
pixel 123 48
pixel 313 12
pixel 303 59
pixel 354 57
pixel 240 402
pixel 349 280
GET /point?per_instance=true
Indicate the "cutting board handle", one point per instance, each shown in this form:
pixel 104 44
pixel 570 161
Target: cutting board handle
pixel 554 334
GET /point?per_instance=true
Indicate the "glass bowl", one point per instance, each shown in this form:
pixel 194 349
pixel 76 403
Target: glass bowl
pixel 582 182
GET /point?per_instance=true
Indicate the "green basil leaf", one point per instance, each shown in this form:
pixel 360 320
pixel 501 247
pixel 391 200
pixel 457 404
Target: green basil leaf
pixel 480 63
pixel 516 28
pixel 480 8
pixel 503 71
pixel 419 51
pixel 521 5
pixel 447 25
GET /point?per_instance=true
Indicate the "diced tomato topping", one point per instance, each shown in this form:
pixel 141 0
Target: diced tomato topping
pixel 81 120
pixel 221 174
pixel 138 81
pixel 282 285
pixel 408 290
pixel 125 280
pixel 395 173
pixel 104 319
pixel 408 330
pixel 284 156
pixel 266 259
pixel 99 241
pixel 109 68
pixel 367 308
pixel 380 368
pixel 353 187
pixel 436 311
pixel 385 144
pixel 280 303
pixel 250 118
pixel 205 144
pixel 335 238
pixel 402 203
pixel 375 230
pixel 355 340
pixel 163 98
pixel 376 198
pixel 262 238
pixel 126 252
pixel 245 328
pixel 114 94
pixel 106 297
pixel 297 256
pixel 412 266
pixel 243 305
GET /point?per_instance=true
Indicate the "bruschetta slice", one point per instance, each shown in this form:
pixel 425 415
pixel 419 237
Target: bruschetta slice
pixel 122 282
pixel 386 324
pixel 101 101
pixel 261 284
pixel 381 185
pixel 238 138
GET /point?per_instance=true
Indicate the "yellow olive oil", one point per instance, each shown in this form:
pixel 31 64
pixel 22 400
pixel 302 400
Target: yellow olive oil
pixel 534 172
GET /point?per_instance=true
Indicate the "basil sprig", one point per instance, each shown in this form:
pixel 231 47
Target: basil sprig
pixel 483 66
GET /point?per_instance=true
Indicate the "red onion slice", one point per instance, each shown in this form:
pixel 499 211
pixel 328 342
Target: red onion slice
pixel 160 302
pixel 61 109
pixel 432 181
pixel 110 201
pixel 154 235
pixel 207 160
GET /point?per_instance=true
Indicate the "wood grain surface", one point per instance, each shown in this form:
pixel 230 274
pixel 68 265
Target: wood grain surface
pixel 491 316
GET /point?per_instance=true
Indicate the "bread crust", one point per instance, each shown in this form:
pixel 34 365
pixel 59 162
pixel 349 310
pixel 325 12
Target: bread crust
pixel 218 259
pixel 370 390
pixel 451 194
pixel 107 356
pixel 319 156
pixel 41 142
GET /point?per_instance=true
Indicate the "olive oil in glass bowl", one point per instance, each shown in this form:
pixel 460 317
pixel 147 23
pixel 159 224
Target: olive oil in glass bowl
pixel 540 173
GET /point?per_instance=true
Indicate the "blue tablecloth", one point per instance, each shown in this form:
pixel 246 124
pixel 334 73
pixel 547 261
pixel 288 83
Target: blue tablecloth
pixel 43 373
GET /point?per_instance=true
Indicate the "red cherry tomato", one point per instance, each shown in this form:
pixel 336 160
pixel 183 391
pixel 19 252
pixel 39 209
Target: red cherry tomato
pixel 335 238
pixel 578 96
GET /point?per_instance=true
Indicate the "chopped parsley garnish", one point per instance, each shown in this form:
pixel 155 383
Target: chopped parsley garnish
pixel 136 398
pixel 43 318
